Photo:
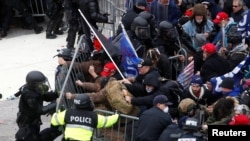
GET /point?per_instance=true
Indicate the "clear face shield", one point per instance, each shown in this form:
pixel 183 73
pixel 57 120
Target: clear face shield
pixel 170 34
pixel 43 87
pixel 142 32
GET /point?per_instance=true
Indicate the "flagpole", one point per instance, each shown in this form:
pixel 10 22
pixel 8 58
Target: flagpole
pixel 101 43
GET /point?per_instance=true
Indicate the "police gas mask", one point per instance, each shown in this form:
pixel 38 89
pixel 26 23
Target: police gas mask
pixel 42 88
pixel 142 32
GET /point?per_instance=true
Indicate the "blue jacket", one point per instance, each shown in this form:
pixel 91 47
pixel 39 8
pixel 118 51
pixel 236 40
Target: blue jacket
pixel 190 29
pixel 172 15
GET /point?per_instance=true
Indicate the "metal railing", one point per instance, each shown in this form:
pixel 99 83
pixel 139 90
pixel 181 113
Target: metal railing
pixel 38 7
pixel 65 80
pixel 123 130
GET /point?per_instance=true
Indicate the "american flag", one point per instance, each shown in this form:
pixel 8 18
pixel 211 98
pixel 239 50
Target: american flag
pixel 184 78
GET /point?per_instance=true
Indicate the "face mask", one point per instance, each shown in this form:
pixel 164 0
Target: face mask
pixel 198 21
pixel 165 110
pixel 149 90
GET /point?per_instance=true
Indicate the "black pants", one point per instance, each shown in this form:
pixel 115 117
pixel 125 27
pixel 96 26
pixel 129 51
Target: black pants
pixel 28 133
pixel 50 134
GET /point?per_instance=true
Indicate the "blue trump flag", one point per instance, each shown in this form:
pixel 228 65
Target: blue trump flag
pixel 238 73
pixel 129 56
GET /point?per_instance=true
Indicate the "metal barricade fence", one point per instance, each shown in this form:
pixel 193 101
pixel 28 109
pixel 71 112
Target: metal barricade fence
pixel 123 130
pixel 176 64
pixel 38 7
pixel 116 8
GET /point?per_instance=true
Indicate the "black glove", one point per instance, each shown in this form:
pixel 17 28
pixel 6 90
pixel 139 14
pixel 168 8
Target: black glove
pixel 49 109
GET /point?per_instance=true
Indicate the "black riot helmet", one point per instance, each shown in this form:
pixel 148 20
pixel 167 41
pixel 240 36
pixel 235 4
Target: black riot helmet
pixel 191 124
pixel 141 28
pixel 233 35
pixel 147 15
pixel 34 79
pixel 83 101
pixel 167 30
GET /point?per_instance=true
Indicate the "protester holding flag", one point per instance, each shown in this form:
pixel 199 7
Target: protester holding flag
pixel 228 88
pixel 236 51
pixel 225 22
pixel 135 84
pixel 238 75
pixel 129 57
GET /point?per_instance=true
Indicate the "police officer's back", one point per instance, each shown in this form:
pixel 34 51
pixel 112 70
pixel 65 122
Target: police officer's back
pixel 81 122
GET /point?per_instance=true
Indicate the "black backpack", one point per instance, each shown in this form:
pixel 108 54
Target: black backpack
pixel 173 90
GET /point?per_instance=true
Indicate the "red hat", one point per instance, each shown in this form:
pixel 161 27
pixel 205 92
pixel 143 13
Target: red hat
pixel 188 12
pixel 220 16
pixel 209 48
pixel 108 69
pixel 240 120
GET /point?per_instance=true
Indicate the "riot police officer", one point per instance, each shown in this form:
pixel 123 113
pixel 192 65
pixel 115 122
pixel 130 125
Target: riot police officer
pixel 23 7
pixel 90 9
pixel 32 95
pixel 166 41
pixel 139 34
pixel 55 14
pixel 81 121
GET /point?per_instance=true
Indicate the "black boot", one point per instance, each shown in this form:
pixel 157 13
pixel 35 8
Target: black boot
pixel 50 36
pixel 38 29
pixel 56 25
pixel 58 32
pixel 3 33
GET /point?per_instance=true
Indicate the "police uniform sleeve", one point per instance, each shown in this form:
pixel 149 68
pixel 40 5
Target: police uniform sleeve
pixel 58 118
pixel 106 121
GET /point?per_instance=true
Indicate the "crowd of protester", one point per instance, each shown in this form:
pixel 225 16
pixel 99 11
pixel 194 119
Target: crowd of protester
pixel 216 37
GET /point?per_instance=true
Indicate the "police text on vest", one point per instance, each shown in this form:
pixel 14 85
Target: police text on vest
pixel 80 119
